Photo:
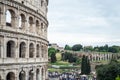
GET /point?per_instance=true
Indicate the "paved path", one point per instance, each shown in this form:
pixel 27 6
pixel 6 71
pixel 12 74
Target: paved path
pixel 53 79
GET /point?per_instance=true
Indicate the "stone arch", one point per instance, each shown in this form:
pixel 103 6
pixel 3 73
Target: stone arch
pixel 22 21
pixel 31 24
pixel 31 50
pixel 22 75
pixel 37 50
pixel 10 49
pixel 10 76
pixel 22 50
pixel 37 74
pixel 10 17
pixel 37 26
pixel 31 75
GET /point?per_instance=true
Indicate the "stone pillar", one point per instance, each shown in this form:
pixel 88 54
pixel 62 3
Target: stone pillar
pixel 5 47
pixel 46 72
pixel 24 25
pixel 40 51
pixel 34 77
pixel 14 21
pixel 39 30
pixel 35 51
pixel 33 28
pixel 17 47
pixel 40 77
pixel 27 50
pixel 27 26
pixel 3 16
pixel 1 48
pixel 27 74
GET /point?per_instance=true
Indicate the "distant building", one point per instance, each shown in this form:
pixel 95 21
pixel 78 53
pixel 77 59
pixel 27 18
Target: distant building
pixel 54 45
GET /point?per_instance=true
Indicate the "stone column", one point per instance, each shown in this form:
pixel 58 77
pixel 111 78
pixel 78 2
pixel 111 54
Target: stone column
pixel 4 47
pixel 27 50
pixel 3 16
pixel 27 26
pixel 39 30
pixel 1 48
pixel 14 21
pixel 46 73
pixel 34 76
pixel 27 74
pixel 35 50
pixel 17 48
pixel 33 28
pixel 40 51
pixel 40 74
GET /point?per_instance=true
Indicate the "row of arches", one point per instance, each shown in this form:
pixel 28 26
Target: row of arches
pixel 23 75
pixel 41 50
pixel 34 25
pixel 22 21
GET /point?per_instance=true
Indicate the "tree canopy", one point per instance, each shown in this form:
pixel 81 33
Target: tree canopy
pixel 77 47
pixel 109 71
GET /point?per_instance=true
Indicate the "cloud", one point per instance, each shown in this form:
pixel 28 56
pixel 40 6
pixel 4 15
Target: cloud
pixel 85 21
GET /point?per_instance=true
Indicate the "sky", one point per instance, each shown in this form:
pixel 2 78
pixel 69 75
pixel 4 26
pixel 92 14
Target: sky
pixel 86 22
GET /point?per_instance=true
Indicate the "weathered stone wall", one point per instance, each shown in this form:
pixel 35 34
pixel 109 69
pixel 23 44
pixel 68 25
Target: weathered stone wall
pixel 23 39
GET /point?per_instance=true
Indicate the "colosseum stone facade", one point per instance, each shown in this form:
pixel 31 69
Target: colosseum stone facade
pixel 23 39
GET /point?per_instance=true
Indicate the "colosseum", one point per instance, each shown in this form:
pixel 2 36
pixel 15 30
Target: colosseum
pixel 23 39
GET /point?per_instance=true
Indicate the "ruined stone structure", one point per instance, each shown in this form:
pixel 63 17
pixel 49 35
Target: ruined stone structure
pixel 96 56
pixel 23 39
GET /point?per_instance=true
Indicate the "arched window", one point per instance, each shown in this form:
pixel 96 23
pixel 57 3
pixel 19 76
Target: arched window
pixel 31 50
pixel 42 28
pixel 22 50
pixel 10 17
pixel 11 49
pixel 37 26
pixel 22 21
pixel 37 51
pixel 22 75
pixel 31 24
pixel 10 76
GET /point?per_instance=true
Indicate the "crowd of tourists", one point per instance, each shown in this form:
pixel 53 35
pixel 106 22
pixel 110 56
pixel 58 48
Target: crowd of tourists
pixel 68 76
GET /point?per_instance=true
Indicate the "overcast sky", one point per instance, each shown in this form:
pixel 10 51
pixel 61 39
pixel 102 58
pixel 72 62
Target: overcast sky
pixel 86 22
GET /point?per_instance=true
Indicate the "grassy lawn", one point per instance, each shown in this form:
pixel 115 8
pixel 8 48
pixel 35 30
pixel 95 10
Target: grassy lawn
pixel 64 66
pixel 61 63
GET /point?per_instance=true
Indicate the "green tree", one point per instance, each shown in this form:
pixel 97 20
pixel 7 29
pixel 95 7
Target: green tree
pixel 77 47
pixel 85 65
pixel 67 47
pixel 52 54
pixel 114 49
pixel 108 71
pixel 50 51
pixel 88 48
pixel 53 58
